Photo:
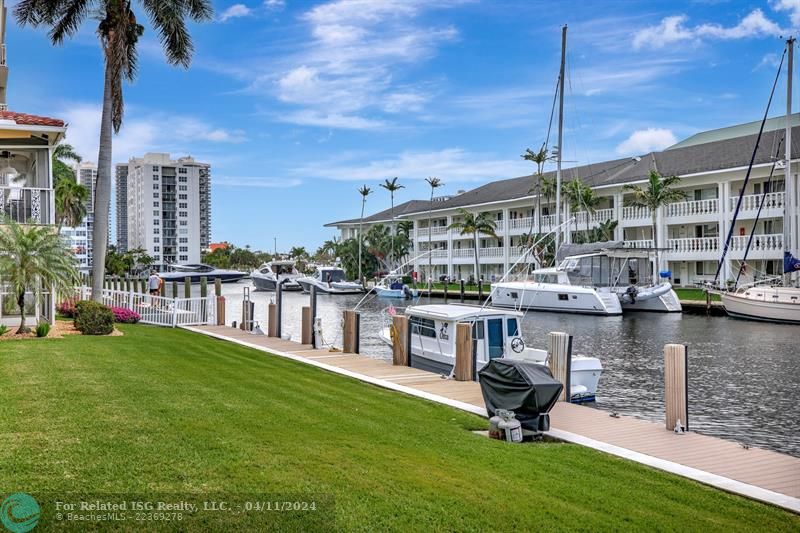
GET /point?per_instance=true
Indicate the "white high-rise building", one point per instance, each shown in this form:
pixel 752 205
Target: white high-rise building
pixel 168 207
pixel 79 237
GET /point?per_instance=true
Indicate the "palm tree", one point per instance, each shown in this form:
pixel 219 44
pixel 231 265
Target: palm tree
pixel 605 231
pixel 471 223
pixel 404 228
pixel 548 189
pixel 435 183
pixel 119 32
pixel 63 152
pixel 539 158
pixel 571 193
pixel 392 187
pixel 589 201
pixel 364 192
pixel 657 192
pixel 71 199
pixel 34 257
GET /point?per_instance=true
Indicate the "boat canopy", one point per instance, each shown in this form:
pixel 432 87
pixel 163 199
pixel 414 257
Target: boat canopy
pixel 456 312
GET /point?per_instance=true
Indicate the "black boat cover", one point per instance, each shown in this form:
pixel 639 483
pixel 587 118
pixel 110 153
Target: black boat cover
pixel 524 387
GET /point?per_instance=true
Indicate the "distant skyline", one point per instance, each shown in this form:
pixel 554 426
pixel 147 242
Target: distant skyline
pixel 296 104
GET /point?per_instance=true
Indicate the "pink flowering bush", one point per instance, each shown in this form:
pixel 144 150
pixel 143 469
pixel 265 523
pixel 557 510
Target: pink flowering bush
pixel 67 308
pixel 125 316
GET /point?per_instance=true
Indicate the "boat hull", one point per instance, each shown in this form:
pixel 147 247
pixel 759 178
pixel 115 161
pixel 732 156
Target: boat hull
pixel 328 289
pixel 382 292
pixel 763 311
pixel 664 303
pixel 555 298
pixel 195 277
pixel 269 285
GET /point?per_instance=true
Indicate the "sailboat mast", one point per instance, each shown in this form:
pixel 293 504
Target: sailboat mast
pixel 789 204
pixel 560 134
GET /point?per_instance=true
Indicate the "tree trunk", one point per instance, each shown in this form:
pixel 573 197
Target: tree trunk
pixel 102 194
pixel 477 262
pixel 21 303
pixel 391 236
pixel 655 245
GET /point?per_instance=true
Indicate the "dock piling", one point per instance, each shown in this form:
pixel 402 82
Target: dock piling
pixel 174 289
pixel 559 349
pixel 306 325
pixel 351 331
pixel 187 287
pixel 462 290
pixel 400 341
pixel 676 387
pixel 465 358
pixel 278 309
pixel 220 310
pixel 446 284
pixel 480 290
pixel 203 286
pixel 272 320
pixel 218 286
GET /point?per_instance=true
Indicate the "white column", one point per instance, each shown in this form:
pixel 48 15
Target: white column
pixel 449 248
pixel 618 231
pixel 724 220
pixel 506 241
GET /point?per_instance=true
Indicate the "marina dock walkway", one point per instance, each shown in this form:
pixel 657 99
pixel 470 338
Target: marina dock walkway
pixel 753 472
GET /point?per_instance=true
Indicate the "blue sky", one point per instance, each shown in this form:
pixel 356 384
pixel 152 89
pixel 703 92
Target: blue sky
pixel 297 103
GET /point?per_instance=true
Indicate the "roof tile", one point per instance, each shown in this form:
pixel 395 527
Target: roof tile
pixel 24 119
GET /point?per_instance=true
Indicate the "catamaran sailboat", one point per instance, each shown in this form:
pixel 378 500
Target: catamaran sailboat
pixel 268 275
pixel 605 281
pixel 760 301
pixel 495 332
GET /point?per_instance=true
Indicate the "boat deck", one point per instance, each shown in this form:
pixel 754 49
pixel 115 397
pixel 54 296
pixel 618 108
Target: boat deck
pixel 756 473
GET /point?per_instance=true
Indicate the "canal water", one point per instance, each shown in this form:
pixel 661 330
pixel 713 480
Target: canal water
pixel 742 375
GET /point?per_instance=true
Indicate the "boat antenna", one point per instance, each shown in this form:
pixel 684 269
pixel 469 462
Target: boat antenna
pixel 789 47
pixel 560 132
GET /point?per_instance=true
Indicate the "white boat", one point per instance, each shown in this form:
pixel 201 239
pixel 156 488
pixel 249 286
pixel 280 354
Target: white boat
pixel 330 280
pixel 495 332
pixel 604 282
pixel 196 271
pixel 392 286
pixel 268 275
pixel 764 303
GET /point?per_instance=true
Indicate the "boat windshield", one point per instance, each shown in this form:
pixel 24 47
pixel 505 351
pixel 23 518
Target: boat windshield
pixel 604 271
pixel 282 269
pixel 545 278
pixel 330 276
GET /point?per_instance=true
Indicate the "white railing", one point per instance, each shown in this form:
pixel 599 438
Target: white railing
pixel 438 253
pixel 159 310
pixel 693 208
pixel 693 244
pixel 599 216
pixel 773 200
pixel 463 252
pixel 761 243
pixel 494 251
pixel 642 243
pixel 635 213
pixel 548 221
pixel 520 223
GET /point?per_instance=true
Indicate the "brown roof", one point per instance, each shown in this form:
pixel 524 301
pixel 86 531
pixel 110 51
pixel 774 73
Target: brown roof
pixel 24 119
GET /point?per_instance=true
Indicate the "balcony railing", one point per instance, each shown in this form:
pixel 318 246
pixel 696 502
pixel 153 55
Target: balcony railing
pixel 25 205
pixel 463 252
pixel 599 216
pixel 520 223
pixel 635 213
pixel 693 208
pixel 494 251
pixel 693 244
pixel 773 200
pixel 642 243
pixel 438 254
pixel 761 243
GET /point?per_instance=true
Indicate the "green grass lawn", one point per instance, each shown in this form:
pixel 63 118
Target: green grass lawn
pixel 161 411
pixel 695 294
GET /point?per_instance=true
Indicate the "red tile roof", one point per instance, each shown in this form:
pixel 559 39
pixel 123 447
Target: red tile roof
pixel 23 119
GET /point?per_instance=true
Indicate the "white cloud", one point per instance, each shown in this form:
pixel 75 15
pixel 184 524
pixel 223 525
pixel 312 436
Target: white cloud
pixel 275 4
pixel 769 60
pixel 450 164
pixel 310 117
pixel 792 6
pixel 235 11
pixel 673 29
pixel 648 140
pixel 141 132
pixel 256 182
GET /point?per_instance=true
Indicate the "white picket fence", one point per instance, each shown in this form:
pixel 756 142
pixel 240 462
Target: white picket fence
pixel 159 310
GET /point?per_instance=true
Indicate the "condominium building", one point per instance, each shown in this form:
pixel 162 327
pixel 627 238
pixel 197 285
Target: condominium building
pixel 691 233
pixel 79 237
pixel 167 207
pixel 121 186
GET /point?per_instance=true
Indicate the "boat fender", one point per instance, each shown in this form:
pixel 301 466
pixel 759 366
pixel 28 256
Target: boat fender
pixel 392 333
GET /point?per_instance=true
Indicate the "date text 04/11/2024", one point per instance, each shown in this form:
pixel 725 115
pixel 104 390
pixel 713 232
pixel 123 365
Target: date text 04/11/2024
pixel 261 506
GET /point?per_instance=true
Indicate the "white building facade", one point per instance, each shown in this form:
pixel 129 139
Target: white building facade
pixel 79 238
pixel 167 207
pixel 690 233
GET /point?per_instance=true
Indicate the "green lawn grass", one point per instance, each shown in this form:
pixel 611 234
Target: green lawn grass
pixel 695 294
pixel 161 411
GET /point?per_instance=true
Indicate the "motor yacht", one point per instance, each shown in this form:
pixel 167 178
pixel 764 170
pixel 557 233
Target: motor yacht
pixel 196 271
pixel 268 275
pixel 330 280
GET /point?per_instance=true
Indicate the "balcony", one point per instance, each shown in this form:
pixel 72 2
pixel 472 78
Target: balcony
pixel 520 225
pixel 773 204
pixel 696 208
pixel 439 254
pixel 463 253
pixel 597 217
pixel 495 252
pixel 643 243
pixel 437 233
pixel 25 205
pixel 636 216
pixel 769 246
pixel 694 246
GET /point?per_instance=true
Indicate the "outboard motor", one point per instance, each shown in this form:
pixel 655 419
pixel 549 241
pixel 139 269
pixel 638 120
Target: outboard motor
pixel 630 295
pixel 407 292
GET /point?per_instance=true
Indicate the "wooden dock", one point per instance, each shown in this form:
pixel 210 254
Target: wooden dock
pixel 756 473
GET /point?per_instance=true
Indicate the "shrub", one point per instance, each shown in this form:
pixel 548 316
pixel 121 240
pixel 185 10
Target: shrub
pixel 42 329
pixel 92 318
pixel 3 329
pixel 125 316
pixel 67 308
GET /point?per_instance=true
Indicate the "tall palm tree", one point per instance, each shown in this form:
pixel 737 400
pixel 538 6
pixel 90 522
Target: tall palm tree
pixel 657 192
pixel 435 183
pixel 34 257
pixel 71 199
pixel 571 193
pixel 392 187
pixel 473 224
pixel 405 227
pixel 539 158
pixel 548 188
pixel 364 192
pixel 63 152
pixel 589 201
pixel 119 32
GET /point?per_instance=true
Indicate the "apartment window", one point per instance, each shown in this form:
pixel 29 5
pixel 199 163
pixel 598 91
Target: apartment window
pixel 183 223
pixel 156 204
pixel 155 168
pixel 183 197
pixel 156 248
pixel 184 258
pixel 183 249
pixel 157 239
pixel 156 222
pixel 155 212
pixel 698 268
pixel 155 186
pixel 184 240
pixel 183 179
pixel 183 214
pixel 155 177
pixel 156 231
pixel 181 170
pixel 156 195
pixel 183 188
pixel 183 206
